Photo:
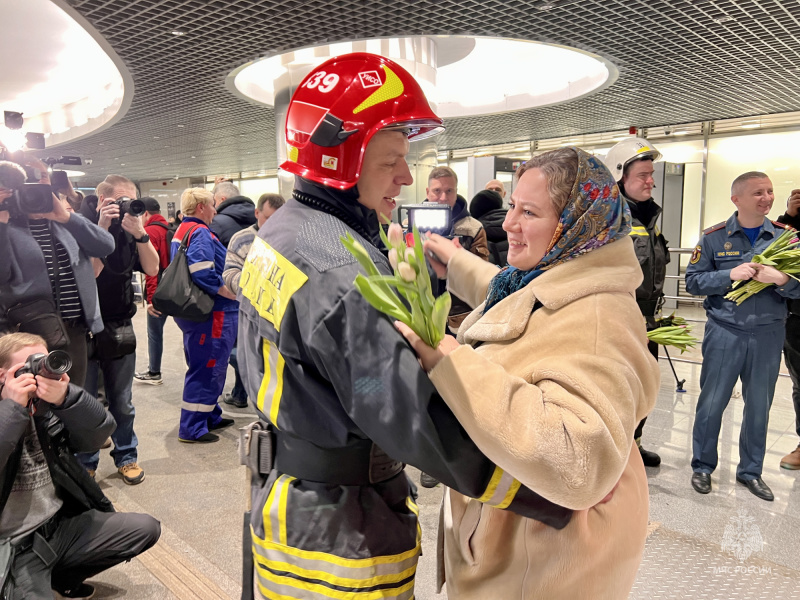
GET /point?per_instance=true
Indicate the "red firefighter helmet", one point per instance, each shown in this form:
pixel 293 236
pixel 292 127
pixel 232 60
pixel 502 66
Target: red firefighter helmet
pixel 340 105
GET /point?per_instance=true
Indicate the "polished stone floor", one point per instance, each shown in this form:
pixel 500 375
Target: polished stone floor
pixel 198 494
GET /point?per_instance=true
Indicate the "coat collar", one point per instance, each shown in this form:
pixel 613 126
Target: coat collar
pixel 613 268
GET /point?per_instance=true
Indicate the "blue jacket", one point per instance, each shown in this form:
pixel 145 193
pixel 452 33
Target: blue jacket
pixel 232 216
pixel 23 272
pixel 206 258
pixel 722 248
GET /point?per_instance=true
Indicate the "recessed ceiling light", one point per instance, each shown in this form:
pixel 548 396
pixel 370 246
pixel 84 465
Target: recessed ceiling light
pixel 723 19
pixel 192 157
pixel 155 137
pixel 546 6
pixel 121 164
pixel 181 126
pixel 178 32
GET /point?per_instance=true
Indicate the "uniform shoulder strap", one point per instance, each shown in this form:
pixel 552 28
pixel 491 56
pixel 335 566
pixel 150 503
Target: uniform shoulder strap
pixel 782 225
pixel 714 228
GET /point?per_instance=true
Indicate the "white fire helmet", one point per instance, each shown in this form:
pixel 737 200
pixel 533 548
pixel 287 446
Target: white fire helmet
pixel 628 151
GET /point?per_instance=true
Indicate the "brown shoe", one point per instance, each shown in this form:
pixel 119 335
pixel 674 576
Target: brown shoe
pixel 131 473
pixel 792 460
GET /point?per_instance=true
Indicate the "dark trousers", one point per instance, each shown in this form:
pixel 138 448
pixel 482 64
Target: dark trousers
pixel 791 354
pixel 84 546
pixel 238 392
pixel 729 354
pixel 155 341
pixel 78 352
pixel 653 347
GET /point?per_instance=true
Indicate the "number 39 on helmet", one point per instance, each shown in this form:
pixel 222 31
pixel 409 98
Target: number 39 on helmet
pixel 340 105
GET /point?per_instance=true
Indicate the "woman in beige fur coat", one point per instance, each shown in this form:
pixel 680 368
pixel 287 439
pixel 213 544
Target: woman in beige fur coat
pixel 550 378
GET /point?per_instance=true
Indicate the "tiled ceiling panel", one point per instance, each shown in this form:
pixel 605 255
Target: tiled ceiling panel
pixel 679 60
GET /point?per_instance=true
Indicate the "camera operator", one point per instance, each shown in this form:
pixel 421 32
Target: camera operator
pixel 47 283
pixel 115 347
pixel 56 522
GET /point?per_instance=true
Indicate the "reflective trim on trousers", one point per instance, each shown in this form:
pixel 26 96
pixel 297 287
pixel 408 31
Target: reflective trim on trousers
pixel 501 489
pixel 274 585
pixel 192 407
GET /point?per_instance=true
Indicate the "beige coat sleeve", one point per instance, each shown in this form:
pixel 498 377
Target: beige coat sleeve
pixel 468 277
pixel 557 407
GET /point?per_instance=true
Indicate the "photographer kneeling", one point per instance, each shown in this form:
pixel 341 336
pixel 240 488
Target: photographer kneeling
pixel 56 526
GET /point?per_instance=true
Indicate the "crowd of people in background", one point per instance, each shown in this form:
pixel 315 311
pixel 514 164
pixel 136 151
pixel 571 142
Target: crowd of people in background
pixel 552 282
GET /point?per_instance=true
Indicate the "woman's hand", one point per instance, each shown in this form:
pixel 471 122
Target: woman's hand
pixel 428 357
pixel 443 249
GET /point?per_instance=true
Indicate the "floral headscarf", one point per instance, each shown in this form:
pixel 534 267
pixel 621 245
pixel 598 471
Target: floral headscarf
pixel 595 215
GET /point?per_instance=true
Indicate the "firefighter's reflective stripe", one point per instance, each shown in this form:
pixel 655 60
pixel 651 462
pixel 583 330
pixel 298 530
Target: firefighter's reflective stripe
pixel 269 281
pixel 501 489
pixel 269 395
pixel 307 574
pixel 286 588
pixel 274 513
pixel 412 506
pixel 639 230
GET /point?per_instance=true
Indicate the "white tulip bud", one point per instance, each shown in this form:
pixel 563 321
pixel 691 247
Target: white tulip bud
pixel 407 272
pixel 393 258
pixel 395 234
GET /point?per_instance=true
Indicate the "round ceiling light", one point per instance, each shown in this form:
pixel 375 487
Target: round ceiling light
pixel 470 76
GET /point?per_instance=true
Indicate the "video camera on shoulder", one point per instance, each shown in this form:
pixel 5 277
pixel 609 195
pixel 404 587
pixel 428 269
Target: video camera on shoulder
pixel 52 365
pixel 428 217
pixel 27 198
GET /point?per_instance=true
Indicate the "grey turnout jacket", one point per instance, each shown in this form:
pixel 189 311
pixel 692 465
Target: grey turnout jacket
pixel 331 373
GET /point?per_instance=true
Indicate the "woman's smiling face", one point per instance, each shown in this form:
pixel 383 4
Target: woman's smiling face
pixel 530 222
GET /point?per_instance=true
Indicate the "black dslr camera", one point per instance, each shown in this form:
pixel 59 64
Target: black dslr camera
pixel 27 198
pixel 130 206
pixel 51 366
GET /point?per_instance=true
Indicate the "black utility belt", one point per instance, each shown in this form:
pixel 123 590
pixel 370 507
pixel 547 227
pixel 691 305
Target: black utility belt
pixel 45 530
pixel 263 448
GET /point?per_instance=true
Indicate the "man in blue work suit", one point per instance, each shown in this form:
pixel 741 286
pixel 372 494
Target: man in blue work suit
pixel 740 341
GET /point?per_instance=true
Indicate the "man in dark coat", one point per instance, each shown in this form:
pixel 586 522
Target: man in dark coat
pixel 487 207
pixel 234 212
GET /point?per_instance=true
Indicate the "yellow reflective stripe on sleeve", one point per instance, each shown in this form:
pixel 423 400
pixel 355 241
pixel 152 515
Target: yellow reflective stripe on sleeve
pixel 271 388
pixel 269 281
pixel 501 489
pixel 638 230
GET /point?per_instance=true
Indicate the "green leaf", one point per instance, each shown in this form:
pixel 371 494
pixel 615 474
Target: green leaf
pixel 389 305
pixel 361 255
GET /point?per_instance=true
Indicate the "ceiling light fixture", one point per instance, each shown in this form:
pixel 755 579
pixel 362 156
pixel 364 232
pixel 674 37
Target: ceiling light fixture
pixel 723 19
pixel 178 32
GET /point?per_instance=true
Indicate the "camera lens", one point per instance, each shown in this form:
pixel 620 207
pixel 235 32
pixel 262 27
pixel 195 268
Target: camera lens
pixel 56 363
pixel 134 208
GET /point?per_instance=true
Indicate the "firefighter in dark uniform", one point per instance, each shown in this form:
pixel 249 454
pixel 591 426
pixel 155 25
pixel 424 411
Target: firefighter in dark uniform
pixel 631 163
pixel 739 341
pixel 341 391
